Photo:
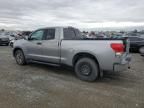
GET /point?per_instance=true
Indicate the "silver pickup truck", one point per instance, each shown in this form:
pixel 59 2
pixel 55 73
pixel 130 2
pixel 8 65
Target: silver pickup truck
pixel 66 46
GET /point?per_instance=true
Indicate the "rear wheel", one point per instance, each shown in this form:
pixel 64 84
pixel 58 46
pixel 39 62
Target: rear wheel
pixel 87 69
pixel 20 58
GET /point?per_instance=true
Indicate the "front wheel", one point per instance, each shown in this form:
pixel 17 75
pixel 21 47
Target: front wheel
pixel 87 69
pixel 20 58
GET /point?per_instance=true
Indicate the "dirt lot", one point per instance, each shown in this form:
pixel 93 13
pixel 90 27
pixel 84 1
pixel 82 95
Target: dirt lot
pixel 40 86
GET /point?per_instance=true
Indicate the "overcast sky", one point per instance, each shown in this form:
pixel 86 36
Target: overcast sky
pixel 32 14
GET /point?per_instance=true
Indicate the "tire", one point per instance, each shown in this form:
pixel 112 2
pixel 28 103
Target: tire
pixel 19 57
pixel 87 69
pixel 141 50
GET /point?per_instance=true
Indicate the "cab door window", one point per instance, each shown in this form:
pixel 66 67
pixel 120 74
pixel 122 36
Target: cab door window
pixel 37 35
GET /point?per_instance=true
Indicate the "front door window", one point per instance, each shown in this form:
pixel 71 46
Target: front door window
pixel 38 35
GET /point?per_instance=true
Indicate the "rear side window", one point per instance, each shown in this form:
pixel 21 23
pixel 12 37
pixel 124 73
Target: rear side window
pixel 69 33
pixel 50 34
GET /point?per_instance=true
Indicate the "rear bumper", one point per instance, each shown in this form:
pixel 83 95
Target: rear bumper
pixel 123 65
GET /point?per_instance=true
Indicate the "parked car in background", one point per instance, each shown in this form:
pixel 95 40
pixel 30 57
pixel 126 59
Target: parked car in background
pixel 11 37
pixel 118 36
pixel 15 37
pixel 12 42
pixel 142 51
pixel 101 36
pixel 26 33
pixel 136 43
pixel 142 36
pixel 66 45
pixel 4 39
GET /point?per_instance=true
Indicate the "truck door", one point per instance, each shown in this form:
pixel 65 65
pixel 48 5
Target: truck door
pixel 34 45
pixel 51 47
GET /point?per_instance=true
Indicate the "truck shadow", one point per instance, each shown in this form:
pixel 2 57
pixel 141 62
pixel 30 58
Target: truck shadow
pixel 69 72
pixel 64 70
pixel 119 79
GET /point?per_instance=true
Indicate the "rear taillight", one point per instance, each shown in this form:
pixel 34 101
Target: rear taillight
pixel 118 47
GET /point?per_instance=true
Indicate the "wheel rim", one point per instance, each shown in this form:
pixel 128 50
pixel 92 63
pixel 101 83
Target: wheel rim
pixel 85 69
pixel 19 57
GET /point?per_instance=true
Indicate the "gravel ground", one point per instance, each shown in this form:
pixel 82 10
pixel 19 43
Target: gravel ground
pixel 41 86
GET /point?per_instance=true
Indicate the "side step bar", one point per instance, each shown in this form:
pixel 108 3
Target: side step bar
pixel 45 63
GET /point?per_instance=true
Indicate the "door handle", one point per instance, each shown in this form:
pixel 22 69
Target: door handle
pixel 38 43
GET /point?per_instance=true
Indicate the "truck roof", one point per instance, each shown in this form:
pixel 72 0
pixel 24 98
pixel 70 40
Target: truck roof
pixel 57 27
